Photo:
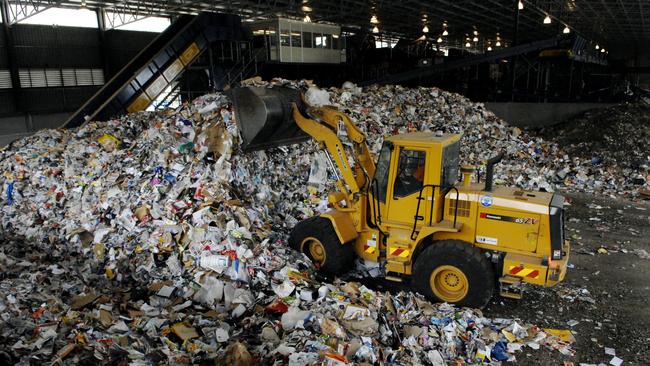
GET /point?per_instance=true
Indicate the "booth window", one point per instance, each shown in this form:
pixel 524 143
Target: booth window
pixel 284 38
pixel 306 40
pixel 295 39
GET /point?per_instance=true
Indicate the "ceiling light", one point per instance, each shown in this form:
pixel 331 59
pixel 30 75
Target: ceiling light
pixel 489 48
pixel 597 47
pixel 306 8
pixel 476 33
pixel 498 44
pixel 425 29
pixel 439 40
pixel 445 33
pixel 306 19
pixel 475 39
pixel 547 19
pixel 603 50
pixel 373 20
pixel 566 30
pixel 520 5
pixel 375 30
pixel 467 44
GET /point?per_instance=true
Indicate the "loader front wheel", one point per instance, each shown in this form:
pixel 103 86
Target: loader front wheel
pixel 455 272
pixel 317 239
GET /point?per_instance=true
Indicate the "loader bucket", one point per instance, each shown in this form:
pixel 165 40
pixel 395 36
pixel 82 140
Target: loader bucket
pixel 264 117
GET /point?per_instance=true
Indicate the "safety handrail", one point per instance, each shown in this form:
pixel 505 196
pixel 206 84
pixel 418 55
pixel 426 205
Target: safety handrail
pixel 241 69
pixel 433 194
pixel 376 208
pixel 375 201
pixel 417 208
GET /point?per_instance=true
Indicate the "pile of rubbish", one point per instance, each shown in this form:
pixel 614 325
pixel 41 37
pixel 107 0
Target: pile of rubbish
pixel 64 310
pixel 612 139
pixel 152 238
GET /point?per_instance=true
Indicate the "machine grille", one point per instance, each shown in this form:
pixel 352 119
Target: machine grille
pixel 463 207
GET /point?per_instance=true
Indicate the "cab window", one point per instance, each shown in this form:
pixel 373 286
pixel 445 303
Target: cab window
pixel 410 173
pixel 450 163
pixel 381 172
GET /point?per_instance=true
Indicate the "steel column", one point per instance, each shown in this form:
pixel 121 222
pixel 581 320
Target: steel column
pixel 515 38
pixel 11 56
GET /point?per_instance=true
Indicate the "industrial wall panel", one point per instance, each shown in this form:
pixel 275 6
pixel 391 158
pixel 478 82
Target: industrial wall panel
pixel 98 76
pixel 45 46
pixel 48 36
pixel 128 39
pixel 40 77
pixel 90 57
pixel 69 77
pixel 78 37
pixel 49 120
pixel 34 35
pixel 28 56
pixel 76 97
pixel 4 61
pixel 61 67
pixel 42 99
pixel 6 102
pixel 53 77
pixel 25 79
pixel 121 46
pixel 44 57
pixel 55 99
pixel 32 78
pixel 5 79
pixel 3 52
pixel 84 77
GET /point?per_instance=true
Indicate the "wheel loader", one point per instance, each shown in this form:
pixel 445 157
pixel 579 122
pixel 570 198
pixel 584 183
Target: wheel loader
pixel 451 240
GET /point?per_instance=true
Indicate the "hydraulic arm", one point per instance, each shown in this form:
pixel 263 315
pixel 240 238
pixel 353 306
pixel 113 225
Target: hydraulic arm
pixel 324 126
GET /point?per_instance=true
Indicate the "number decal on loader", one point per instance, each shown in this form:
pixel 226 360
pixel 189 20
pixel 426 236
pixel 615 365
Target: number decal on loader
pixel 525 220
pixel 516 220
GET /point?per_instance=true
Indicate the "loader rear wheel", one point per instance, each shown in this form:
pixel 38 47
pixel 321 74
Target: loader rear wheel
pixel 317 239
pixel 456 272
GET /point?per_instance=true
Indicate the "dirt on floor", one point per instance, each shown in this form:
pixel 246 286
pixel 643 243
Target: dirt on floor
pixel 610 240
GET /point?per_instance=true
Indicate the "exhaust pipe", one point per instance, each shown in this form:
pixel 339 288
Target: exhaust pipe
pixel 489 171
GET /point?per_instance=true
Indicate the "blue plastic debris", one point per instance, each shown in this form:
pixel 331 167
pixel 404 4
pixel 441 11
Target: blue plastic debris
pixel 10 193
pixel 499 351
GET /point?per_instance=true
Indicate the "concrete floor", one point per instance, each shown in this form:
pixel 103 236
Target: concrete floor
pixel 619 283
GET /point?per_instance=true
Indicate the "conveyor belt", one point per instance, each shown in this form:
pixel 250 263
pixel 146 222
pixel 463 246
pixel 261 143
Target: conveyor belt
pixel 463 62
pixel 138 84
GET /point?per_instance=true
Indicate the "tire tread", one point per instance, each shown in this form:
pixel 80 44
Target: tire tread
pixel 461 254
pixel 339 256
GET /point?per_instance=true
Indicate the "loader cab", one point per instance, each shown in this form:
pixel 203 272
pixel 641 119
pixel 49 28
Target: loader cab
pixel 412 171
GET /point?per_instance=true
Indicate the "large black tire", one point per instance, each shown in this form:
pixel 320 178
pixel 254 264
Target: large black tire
pixel 338 257
pixel 444 264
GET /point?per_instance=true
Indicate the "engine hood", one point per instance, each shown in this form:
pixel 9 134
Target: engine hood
pixel 516 199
